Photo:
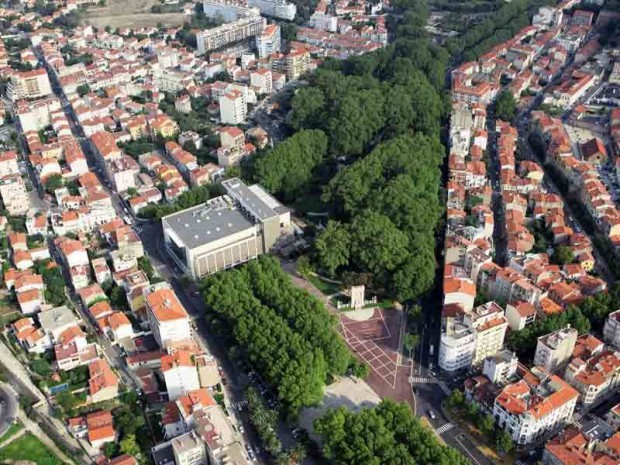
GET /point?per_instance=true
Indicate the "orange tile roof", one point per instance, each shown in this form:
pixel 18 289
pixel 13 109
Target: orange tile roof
pixel 165 305
pixel 101 376
pixel 178 358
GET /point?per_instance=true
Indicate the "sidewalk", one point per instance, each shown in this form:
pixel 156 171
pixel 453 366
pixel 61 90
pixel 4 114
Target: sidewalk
pixel 474 436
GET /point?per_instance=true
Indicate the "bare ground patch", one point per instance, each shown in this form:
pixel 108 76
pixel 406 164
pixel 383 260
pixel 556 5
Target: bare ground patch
pixel 132 14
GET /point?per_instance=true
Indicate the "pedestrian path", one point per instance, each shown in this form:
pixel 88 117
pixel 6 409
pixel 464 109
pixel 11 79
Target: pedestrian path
pixel 444 428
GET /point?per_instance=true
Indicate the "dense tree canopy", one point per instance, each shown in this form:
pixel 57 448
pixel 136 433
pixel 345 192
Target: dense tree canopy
pixel 385 435
pixel 506 106
pixel 286 333
pixel 289 167
pixel 388 206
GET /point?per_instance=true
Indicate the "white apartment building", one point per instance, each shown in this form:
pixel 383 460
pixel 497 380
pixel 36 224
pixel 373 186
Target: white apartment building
pixel 8 164
pixel 611 331
pixel 226 11
pixel 233 107
pixel 554 350
pixel 262 79
pixel 14 195
pixel 500 367
pixel 270 41
pixel 534 406
pixel 189 449
pixel 276 8
pixel 168 319
pixel 28 85
pixel 180 374
pixel 36 115
pixel 241 29
pixel 457 345
pixel 489 325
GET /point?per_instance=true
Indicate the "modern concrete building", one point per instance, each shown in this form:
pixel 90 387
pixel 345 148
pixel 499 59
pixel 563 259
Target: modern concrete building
pixel 29 85
pixel 554 350
pixel 500 367
pixel 225 231
pixel 276 8
pixel 242 29
pixel 189 449
pixel 457 346
pixel 269 41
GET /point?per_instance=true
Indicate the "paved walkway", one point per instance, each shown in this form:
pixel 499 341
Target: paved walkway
pixel 16 368
pixel 40 434
pixel 19 434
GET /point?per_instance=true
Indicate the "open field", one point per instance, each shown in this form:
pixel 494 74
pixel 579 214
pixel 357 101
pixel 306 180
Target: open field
pixel 28 447
pixel 132 13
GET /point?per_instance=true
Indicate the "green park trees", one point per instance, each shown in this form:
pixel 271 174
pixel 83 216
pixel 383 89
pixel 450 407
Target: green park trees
pixel 287 334
pixel 388 206
pixel 384 435
pixel 289 167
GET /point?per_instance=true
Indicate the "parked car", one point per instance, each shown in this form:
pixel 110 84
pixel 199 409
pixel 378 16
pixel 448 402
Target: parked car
pixel 432 415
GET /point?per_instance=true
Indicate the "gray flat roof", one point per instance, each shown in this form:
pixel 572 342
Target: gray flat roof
pixel 208 222
pixel 56 318
pixel 249 198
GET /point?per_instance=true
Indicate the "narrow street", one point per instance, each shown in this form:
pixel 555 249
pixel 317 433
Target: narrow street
pixel 493 172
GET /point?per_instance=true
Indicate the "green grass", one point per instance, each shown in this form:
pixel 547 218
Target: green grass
pixel 323 286
pixel 28 447
pixel 12 431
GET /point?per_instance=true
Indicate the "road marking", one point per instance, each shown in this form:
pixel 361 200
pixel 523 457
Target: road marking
pixel 420 380
pixel 456 438
pixel 444 428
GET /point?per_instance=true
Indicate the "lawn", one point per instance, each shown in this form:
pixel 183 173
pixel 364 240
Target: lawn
pixel 324 286
pixel 28 447
pixel 12 431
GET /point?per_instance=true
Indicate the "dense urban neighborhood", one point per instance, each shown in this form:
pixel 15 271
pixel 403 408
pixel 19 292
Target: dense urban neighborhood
pixel 309 232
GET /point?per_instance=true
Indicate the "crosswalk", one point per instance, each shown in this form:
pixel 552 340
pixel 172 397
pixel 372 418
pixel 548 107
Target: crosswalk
pixel 444 428
pixel 519 462
pixel 239 405
pixel 420 380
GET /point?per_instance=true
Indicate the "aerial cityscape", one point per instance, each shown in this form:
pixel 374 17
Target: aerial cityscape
pixel 280 232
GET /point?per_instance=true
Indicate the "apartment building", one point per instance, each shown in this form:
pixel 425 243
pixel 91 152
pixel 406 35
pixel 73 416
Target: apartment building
pixel 594 370
pixel 8 164
pixel 189 449
pixel 297 62
pixel 14 195
pixel 280 9
pixel 269 41
pixel 457 344
pixel 224 10
pixel 534 406
pixel 233 107
pixel 611 330
pixel 225 231
pixel 262 80
pixel 554 350
pixel 180 374
pixel 226 34
pixel 489 324
pixel 500 367
pixel 28 85
pixel 166 315
pixel 232 147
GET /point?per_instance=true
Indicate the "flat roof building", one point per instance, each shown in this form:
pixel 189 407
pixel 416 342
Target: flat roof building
pixel 225 231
